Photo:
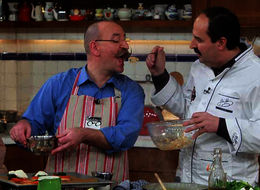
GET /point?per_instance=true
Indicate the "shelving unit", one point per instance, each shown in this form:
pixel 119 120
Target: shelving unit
pixel 129 26
pixel 248 15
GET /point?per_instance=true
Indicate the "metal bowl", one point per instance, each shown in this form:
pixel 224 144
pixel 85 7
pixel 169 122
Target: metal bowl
pixel 42 144
pixel 169 135
pixel 102 175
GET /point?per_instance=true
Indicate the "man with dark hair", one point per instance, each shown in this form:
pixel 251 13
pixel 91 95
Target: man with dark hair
pixel 95 112
pixel 221 98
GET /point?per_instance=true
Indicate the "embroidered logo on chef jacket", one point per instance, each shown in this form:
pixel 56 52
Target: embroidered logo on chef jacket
pixel 93 122
pixel 226 103
pixel 193 94
pixel 234 139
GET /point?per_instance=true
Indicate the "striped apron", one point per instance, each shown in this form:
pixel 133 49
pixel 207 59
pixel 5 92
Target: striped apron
pixel 86 158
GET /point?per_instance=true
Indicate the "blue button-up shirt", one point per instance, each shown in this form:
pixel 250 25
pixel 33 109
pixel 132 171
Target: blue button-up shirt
pixel 46 109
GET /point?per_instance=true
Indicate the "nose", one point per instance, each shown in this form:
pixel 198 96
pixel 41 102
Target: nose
pixel 124 44
pixel 192 44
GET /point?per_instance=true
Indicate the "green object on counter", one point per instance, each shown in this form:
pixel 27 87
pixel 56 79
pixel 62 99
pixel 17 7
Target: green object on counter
pixel 49 183
pixel 238 185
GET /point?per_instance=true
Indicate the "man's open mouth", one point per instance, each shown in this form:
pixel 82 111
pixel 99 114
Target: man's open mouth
pixel 123 54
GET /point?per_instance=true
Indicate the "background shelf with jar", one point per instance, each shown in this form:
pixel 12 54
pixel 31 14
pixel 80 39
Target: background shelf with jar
pixel 134 16
pixel 144 16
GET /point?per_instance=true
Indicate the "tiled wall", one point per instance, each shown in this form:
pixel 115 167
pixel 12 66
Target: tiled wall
pixel 21 79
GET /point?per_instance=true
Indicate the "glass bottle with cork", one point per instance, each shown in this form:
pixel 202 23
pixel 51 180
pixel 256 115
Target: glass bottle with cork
pixel 217 177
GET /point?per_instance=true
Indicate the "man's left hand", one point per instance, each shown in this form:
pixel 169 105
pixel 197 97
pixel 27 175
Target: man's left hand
pixel 68 140
pixel 203 122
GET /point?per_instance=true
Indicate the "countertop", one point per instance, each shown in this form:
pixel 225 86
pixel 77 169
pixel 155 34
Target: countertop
pixel 142 141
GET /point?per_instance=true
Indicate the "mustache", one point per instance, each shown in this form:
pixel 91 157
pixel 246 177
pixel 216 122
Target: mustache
pixel 124 54
pixel 196 50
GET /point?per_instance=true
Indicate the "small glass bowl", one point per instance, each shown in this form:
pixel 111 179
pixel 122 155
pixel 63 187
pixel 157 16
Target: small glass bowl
pixel 42 144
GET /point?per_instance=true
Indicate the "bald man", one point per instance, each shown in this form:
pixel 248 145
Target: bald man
pixel 94 111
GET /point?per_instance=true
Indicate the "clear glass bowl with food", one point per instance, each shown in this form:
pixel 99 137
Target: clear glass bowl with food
pixel 169 135
pixel 42 144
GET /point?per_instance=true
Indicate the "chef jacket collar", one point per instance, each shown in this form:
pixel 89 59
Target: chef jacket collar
pixel 231 62
pixel 84 77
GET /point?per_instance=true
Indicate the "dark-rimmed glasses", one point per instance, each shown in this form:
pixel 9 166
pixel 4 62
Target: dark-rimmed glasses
pixel 113 41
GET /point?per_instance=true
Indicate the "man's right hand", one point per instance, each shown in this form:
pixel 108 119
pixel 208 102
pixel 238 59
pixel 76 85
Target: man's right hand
pixel 155 61
pixel 21 131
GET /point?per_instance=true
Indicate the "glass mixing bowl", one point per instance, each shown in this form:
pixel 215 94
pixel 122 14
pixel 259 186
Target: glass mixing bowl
pixel 169 135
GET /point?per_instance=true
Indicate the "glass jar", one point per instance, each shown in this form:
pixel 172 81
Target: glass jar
pixel 217 178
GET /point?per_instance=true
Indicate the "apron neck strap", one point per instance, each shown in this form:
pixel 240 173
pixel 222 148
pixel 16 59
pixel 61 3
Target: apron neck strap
pixel 75 88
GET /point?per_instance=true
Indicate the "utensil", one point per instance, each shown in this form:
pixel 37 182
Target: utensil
pixel 42 144
pixel 175 186
pixel 159 180
pixel 170 135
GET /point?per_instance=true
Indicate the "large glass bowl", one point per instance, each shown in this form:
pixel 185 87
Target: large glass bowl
pixel 169 135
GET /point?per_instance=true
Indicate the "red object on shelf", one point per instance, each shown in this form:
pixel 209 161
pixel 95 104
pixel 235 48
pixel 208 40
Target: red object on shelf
pixel 24 12
pixel 150 114
pixel 77 17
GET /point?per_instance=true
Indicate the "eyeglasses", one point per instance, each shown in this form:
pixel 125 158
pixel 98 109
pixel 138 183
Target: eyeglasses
pixel 113 41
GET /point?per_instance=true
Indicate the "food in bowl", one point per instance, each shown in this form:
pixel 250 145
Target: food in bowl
pixel 42 144
pixel 169 135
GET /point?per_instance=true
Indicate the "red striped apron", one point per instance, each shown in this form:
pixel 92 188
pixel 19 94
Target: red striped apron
pixel 86 158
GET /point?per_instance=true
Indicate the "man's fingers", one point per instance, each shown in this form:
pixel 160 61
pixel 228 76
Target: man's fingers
pixel 28 133
pixel 198 133
pixel 61 148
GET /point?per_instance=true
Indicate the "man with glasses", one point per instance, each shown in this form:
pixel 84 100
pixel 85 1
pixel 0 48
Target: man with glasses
pixel 95 112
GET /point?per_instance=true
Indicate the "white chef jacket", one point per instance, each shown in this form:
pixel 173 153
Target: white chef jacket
pixel 234 95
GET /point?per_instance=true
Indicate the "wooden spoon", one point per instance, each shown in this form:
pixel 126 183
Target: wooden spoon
pixel 159 180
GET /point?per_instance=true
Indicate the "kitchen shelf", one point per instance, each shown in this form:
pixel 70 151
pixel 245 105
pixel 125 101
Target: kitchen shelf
pixel 145 26
pixel 248 14
pixel 80 26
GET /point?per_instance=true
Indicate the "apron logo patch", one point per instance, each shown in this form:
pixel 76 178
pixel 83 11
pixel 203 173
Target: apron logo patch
pixel 93 122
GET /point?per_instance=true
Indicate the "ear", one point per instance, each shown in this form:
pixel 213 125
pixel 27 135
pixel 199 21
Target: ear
pixel 221 43
pixel 94 48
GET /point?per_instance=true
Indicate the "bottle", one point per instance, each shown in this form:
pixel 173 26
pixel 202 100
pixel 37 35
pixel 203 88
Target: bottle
pixel 217 177
pixel 1 11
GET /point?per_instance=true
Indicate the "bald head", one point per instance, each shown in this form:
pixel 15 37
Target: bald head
pixel 95 31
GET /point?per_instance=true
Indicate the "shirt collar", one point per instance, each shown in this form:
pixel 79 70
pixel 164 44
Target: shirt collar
pixel 231 62
pixel 84 77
